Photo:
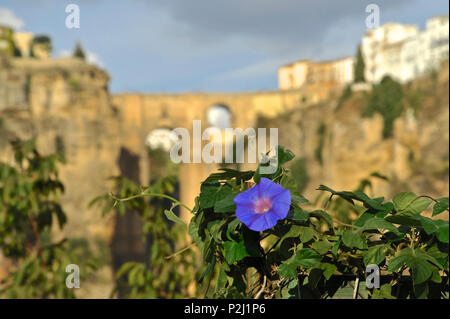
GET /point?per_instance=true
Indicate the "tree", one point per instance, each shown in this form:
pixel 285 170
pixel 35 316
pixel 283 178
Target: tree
pixel 359 67
pixel 79 52
pixel 44 42
pixel 386 99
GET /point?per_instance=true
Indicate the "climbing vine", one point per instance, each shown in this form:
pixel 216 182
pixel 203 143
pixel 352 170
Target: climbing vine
pixel 308 253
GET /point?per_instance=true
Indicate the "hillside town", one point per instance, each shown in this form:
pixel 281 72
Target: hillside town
pixel 401 51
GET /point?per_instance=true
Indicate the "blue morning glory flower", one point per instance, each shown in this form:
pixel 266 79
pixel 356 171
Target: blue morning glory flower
pixel 261 206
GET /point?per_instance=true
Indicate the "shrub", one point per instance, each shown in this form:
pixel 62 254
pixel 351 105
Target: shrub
pixel 29 203
pixel 386 99
pixel 310 254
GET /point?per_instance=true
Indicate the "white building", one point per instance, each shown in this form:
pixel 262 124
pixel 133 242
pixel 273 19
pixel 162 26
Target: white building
pixel 305 72
pixel 403 52
pixel 427 50
pixel 381 49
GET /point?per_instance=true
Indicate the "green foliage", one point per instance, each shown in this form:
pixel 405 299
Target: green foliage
pixel 298 256
pixel 346 94
pixel 321 131
pixel 29 205
pixel 166 274
pixel 79 52
pixel 359 67
pixel 386 99
pixel 43 40
pixel 299 173
pixel 310 254
pixel 414 100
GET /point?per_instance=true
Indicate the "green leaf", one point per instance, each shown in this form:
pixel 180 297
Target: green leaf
pixel 172 217
pixel 440 206
pixel 287 270
pixel 306 234
pixel 385 292
pixel 234 251
pixel 208 270
pixel 321 214
pixel 284 155
pixel 208 195
pixel 299 215
pixel 322 247
pixel 443 230
pixel 222 278
pixel 288 183
pixel 404 220
pixel 224 201
pixel 398 261
pixel 375 255
pixel 402 200
pixel 307 257
pixel 408 204
pixel 298 199
pixel 354 239
pixel 359 196
pixel 328 269
pixel 417 260
pixel 380 223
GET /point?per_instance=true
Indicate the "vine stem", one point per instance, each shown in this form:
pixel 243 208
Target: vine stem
pixel 356 289
pixel 150 195
pixel 431 198
pixel 36 237
pixel 259 293
pixel 181 251
pixel 344 224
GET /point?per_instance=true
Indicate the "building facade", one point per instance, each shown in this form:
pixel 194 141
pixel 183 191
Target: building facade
pixel 403 52
pixel 397 50
pixel 306 72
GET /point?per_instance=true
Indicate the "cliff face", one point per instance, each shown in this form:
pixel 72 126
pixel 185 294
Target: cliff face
pixel 351 147
pixel 65 106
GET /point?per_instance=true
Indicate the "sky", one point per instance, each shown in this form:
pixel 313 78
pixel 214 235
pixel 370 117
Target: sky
pixel 207 46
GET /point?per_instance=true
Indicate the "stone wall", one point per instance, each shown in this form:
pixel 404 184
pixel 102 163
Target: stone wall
pixel 65 104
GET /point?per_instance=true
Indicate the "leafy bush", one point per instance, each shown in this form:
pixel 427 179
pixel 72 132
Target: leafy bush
pixel 386 99
pixel 29 204
pixel 321 131
pixel 310 254
pixel 359 67
pixel 166 274
pixel 346 94
pixel 299 172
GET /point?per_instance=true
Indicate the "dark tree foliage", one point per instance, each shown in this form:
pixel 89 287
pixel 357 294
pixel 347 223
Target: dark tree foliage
pixel 79 52
pixel 386 99
pixel 29 205
pixel 359 67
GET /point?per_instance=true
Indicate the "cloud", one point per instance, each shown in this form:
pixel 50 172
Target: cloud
pixel 269 24
pixel 272 32
pixel 8 18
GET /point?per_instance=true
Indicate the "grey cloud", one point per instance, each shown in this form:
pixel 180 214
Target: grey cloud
pixel 272 21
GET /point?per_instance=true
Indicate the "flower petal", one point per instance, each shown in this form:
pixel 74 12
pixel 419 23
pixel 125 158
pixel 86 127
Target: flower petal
pixel 269 189
pixel 246 214
pixel 249 197
pixel 281 204
pixel 263 222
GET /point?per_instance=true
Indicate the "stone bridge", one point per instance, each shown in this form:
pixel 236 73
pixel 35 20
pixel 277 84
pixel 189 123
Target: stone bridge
pixel 140 114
